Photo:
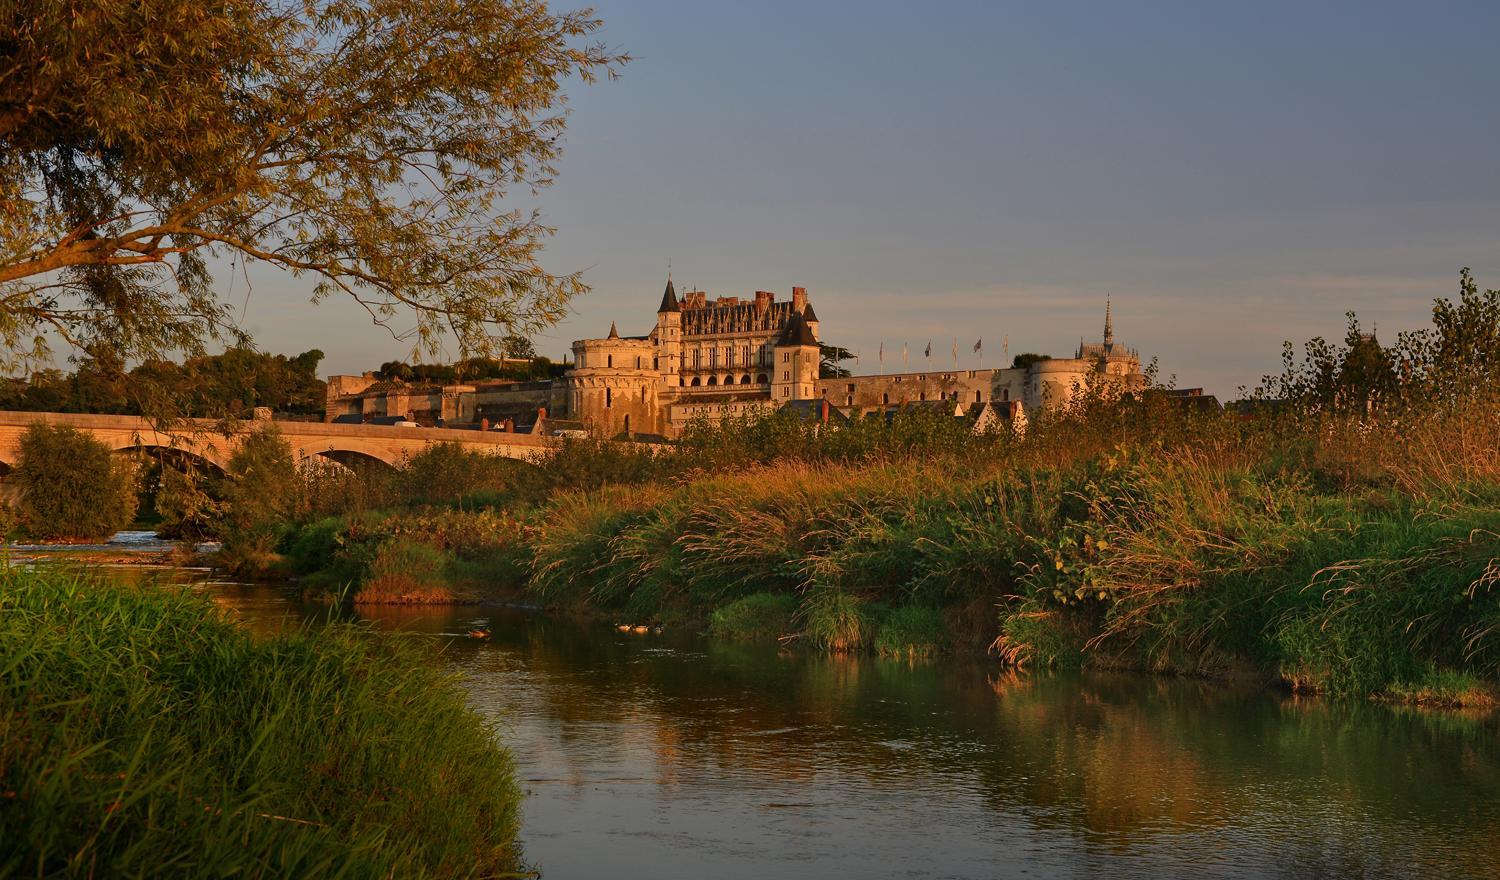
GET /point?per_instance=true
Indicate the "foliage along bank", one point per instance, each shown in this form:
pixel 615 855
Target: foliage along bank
pixel 144 733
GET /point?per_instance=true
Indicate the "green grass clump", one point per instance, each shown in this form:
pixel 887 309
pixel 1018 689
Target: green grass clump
pixel 912 631
pixel 144 734
pixel 758 617
pixel 838 621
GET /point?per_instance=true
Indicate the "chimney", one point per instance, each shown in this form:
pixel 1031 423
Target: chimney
pixel 763 299
pixel 799 298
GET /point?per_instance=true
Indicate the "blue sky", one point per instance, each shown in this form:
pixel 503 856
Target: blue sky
pixel 1232 175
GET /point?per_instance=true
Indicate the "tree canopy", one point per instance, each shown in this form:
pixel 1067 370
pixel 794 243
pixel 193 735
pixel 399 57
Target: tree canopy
pixel 367 143
pixel 1454 361
pixel 231 384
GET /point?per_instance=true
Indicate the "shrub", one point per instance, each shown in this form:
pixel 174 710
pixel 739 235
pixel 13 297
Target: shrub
pixel 758 617
pixel 911 631
pixel 404 571
pixel 262 492
pixel 143 733
pixel 71 486
pixel 837 621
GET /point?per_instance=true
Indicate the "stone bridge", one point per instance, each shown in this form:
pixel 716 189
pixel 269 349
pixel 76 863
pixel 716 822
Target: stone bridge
pixel 214 442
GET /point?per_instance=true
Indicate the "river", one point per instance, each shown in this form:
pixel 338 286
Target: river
pixel 673 755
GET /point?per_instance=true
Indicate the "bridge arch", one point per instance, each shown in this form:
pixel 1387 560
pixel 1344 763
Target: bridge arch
pixel 347 452
pixel 198 458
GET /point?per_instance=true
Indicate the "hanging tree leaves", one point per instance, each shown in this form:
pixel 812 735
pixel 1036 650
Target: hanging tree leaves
pixel 367 143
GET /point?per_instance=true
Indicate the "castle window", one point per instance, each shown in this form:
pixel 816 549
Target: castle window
pixel 849 401
pixel 1005 394
pixel 713 380
pixel 611 361
pixel 851 387
pixel 786 392
pixel 786 375
pixel 786 356
pixel 609 398
pixel 656 363
pixel 637 363
pixel 978 396
pixel 763 379
pixel 922 396
pixel 885 399
pixel 695 382
pixel 745 379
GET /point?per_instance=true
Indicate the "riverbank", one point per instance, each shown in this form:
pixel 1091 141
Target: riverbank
pixel 1359 568
pixel 143 732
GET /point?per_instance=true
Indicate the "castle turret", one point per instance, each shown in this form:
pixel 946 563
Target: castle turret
pixel 795 358
pixel 811 317
pixel 669 337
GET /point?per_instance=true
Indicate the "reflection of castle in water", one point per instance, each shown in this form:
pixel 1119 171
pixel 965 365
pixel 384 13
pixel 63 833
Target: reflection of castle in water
pixel 719 358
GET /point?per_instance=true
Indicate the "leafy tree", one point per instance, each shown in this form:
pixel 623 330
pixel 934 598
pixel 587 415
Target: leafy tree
pixel 517 346
pixel 72 486
pixel 1454 361
pixel 829 358
pixel 262 492
pixel 368 144
pixel 1026 359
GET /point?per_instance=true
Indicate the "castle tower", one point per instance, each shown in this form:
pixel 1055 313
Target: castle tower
pixel 1109 327
pixel 669 337
pixel 795 357
pixel 811 317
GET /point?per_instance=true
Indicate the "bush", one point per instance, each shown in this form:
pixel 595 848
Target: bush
pixel 262 493
pixel 912 631
pixel 143 733
pixel 758 617
pixel 404 571
pixel 72 486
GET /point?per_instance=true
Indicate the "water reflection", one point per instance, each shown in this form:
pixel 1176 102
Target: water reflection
pixel 652 756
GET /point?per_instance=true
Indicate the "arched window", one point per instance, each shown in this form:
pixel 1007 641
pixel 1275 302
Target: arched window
pixel 922 396
pixel 609 398
pixel 713 380
pixel 763 379
pixel 745 379
pixel 978 396
pixel 885 399
pixel 610 361
pixel 695 382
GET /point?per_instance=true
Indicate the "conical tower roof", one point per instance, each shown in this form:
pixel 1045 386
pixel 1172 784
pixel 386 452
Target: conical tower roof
pixel 796 332
pixel 808 314
pixel 613 333
pixel 669 299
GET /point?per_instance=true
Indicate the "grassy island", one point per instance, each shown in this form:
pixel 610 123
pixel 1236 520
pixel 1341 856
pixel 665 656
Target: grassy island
pixel 143 733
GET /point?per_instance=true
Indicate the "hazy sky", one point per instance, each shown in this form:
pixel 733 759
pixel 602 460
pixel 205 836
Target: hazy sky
pixel 1231 175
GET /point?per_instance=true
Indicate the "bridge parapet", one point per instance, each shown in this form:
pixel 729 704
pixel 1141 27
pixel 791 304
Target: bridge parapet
pixel 215 441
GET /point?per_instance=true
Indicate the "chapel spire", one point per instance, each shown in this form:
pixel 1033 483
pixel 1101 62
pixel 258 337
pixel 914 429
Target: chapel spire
pixel 1109 325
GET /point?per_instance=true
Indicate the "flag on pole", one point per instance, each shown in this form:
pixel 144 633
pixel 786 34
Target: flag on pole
pixel 928 352
pixel 955 351
pixel 881 356
pixel 904 359
pixel 978 345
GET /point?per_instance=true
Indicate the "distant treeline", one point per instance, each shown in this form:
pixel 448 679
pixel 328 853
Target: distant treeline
pixel 231 384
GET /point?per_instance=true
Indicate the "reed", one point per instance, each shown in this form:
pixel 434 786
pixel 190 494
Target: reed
pixel 144 733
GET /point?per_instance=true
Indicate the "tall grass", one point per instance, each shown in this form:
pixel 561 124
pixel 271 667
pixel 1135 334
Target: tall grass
pixel 144 734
